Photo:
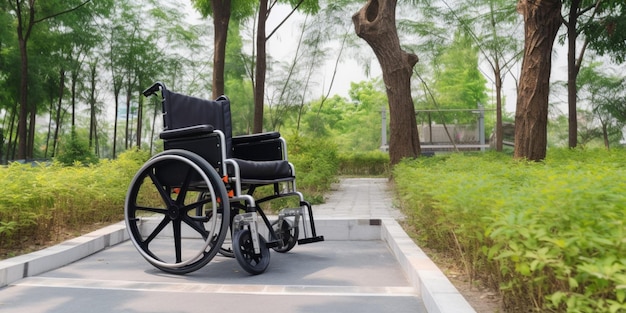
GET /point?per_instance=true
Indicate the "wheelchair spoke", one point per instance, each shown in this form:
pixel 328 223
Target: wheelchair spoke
pixel 153 210
pixel 167 199
pixel 184 188
pixel 195 225
pixel 156 231
pixel 177 240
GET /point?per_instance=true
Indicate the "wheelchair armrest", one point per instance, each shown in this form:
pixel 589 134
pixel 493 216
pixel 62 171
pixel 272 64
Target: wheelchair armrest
pixel 190 131
pixel 255 137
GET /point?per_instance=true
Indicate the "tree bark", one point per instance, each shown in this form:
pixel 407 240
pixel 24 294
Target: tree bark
pixel 376 24
pixel 542 19
pixel 261 68
pixel 221 19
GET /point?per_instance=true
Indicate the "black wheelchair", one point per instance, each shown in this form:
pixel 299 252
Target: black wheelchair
pixel 196 198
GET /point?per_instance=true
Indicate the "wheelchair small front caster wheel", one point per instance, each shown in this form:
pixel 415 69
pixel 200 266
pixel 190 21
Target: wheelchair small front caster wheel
pixel 244 252
pixel 287 235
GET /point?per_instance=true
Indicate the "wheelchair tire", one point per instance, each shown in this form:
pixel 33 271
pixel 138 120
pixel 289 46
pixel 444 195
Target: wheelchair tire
pixel 287 235
pixel 244 252
pixel 161 217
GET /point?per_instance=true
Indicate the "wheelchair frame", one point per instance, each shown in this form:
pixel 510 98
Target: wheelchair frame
pixel 203 185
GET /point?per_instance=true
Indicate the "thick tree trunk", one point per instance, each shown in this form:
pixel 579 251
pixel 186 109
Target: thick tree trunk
pixel 221 18
pixel 261 68
pixel 376 24
pixel 542 19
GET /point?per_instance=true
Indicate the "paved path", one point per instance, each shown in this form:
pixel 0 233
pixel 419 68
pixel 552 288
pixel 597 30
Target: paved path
pixel 331 276
pixel 359 198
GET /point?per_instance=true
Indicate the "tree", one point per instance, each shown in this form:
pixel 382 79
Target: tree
pixel 27 18
pixel 221 10
pixel 602 24
pixel 494 26
pixel 376 24
pixel 605 95
pixel 307 6
pixel 459 84
pixel 542 19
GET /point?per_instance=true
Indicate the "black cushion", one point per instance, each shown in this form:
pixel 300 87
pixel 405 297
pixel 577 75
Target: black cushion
pixel 264 170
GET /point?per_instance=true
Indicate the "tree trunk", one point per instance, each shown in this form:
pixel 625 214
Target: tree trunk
pixel 221 18
pixel 55 139
pixel 23 111
pixel 128 97
pixel 92 104
pixel 376 24
pixel 499 131
pixel 542 19
pixel 74 82
pixel 572 74
pixel 139 119
pixel 116 95
pixel 261 68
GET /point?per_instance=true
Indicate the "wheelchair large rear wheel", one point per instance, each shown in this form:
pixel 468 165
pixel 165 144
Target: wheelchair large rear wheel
pixel 161 211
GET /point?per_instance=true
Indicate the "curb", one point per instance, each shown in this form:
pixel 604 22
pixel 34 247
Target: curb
pixel 67 252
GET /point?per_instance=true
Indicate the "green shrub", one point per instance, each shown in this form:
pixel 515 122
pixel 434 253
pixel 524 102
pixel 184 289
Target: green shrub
pixel 75 150
pixel 373 163
pixel 549 235
pixel 316 163
pixel 40 203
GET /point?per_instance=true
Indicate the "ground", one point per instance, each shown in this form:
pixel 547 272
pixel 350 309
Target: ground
pixel 481 298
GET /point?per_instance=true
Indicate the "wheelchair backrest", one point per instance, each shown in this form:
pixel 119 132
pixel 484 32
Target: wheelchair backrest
pixel 181 111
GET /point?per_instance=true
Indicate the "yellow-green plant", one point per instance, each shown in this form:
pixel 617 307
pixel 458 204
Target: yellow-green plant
pixel 549 235
pixel 41 202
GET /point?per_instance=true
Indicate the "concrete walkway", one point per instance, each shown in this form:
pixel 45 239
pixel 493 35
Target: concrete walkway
pixel 366 264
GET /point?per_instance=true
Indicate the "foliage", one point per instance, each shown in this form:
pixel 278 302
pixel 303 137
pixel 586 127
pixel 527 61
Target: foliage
pixel 41 202
pixel 316 163
pixel 364 163
pixel 458 83
pixel 75 150
pixel 549 234
pixel 605 29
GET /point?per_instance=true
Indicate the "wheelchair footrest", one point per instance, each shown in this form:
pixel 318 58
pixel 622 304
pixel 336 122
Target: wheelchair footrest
pixel 310 240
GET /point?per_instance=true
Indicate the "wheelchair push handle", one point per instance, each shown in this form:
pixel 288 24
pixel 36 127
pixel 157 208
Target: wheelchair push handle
pixel 153 89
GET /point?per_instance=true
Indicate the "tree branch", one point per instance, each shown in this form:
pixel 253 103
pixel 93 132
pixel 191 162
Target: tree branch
pixel 61 13
pixel 285 19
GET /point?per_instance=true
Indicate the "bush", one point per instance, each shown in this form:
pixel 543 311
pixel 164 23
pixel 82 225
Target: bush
pixel 549 235
pixel 373 163
pixel 75 150
pixel 40 203
pixel 316 163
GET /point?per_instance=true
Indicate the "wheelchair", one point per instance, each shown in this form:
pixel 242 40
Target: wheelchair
pixel 197 198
